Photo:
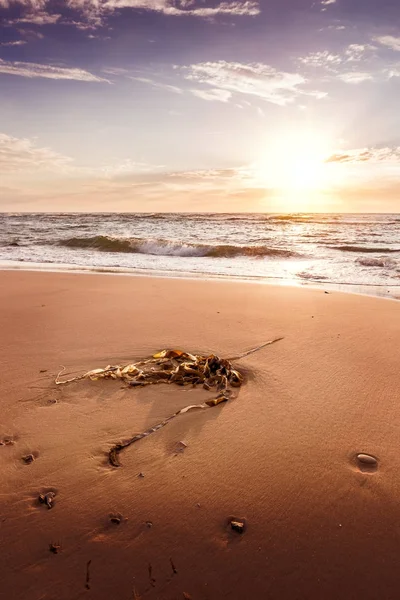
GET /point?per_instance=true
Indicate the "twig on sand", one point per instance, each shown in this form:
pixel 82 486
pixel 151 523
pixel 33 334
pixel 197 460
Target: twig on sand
pixel 255 349
pixel 151 578
pixel 173 567
pixel 87 585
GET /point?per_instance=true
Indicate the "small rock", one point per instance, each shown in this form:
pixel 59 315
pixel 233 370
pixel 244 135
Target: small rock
pixel 47 499
pixel 149 524
pixel 180 446
pixel 326 292
pixel 7 441
pixel 198 505
pixel 28 459
pixel 141 475
pixel 116 519
pixel 367 459
pixel 55 548
pixel 237 526
pixel 43 371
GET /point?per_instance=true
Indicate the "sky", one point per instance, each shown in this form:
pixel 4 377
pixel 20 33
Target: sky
pixel 200 105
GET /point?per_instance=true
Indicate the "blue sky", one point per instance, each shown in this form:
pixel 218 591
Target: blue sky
pixel 191 105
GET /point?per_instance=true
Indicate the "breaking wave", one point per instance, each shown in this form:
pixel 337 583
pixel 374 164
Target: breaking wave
pixel 170 248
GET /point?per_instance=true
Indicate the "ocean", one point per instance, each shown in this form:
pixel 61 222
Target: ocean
pixel 353 252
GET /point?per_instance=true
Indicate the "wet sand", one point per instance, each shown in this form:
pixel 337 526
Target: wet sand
pixel 320 522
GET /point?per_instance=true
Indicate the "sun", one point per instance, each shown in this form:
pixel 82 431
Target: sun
pixel 295 162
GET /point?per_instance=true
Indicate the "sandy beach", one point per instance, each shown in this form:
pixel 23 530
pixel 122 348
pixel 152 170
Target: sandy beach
pixel 281 455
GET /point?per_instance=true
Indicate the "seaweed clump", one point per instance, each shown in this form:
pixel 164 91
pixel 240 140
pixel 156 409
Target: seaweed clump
pixel 173 367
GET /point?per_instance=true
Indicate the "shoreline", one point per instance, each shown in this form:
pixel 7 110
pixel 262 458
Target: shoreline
pixel 393 291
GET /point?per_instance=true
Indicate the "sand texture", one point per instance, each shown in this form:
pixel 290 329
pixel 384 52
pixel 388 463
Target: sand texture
pixel 281 458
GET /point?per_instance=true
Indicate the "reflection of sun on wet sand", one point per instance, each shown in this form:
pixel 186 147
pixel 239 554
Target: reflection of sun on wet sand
pixel 268 495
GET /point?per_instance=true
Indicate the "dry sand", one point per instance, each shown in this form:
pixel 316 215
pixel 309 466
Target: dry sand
pixel 281 455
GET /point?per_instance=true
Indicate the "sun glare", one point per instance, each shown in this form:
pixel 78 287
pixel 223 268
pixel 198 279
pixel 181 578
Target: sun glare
pixel 295 162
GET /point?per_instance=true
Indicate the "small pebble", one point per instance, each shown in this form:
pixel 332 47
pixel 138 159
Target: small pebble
pixel 55 548
pixel 47 499
pixel 28 459
pixel 141 475
pixel 180 446
pixel 367 459
pixel 149 524
pixel 115 519
pixel 237 526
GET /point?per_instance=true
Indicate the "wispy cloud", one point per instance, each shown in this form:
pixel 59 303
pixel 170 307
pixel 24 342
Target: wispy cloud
pixel 39 18
pixel 179 7
pixel 31 4
pixel 213 95
pixel 355 77
pixel 256 79
pixel 376 155
pixel 96 11
pixel 21 154
pixel 15 43
pixel 354 53
pixel 157 84
pixel 324 59
pixel 326 3
pixel 27 69
pixel 389 41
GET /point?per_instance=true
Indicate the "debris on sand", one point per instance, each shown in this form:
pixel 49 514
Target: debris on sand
pixel 47 499
pixel 180 446
pixel 55 548
pixel 116 518
pixel 28 459
pixel 7 441
pixel 168 367
pixel 238 525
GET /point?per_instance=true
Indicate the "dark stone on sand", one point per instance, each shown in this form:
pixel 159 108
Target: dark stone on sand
pixel 28 459
pixel 47 499
pixel 116 519
pixel 149 524
pixel 55 548
pixel 141 475
pixel 238 526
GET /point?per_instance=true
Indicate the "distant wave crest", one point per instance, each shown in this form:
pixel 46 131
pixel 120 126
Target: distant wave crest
pixel 171 248
pixel 364 249
pixel 377 262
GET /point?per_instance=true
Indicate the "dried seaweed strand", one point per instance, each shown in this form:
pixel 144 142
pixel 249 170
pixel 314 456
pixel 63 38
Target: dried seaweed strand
pixel 115 450
pixel 239 356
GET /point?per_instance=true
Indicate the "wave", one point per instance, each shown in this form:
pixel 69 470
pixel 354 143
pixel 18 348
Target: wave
pixel 364 249
pixel 311 276
pixel 376 262
pixel 171 248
